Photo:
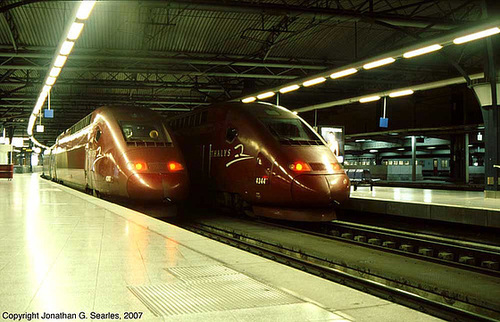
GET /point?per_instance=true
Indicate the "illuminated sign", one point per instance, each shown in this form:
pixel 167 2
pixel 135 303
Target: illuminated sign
pixel 334 137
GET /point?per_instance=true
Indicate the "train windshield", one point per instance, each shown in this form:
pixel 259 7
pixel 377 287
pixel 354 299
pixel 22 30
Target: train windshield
pixel 135 131
pixel 291 131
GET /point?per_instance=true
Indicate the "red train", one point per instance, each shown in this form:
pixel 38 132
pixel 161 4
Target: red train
pixel 120 152
pixel 261 159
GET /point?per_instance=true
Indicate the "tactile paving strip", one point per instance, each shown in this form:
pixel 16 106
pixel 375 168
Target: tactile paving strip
pixel 214 294
pixel 190 272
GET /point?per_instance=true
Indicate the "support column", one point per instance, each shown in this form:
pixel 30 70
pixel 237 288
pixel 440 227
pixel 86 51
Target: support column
pixel 413 158
pixel 467 158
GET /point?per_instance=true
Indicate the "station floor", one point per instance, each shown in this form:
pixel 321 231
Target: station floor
pixel 466 207
pixel 64 252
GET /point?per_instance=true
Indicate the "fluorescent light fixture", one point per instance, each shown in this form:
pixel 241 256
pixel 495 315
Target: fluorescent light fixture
pixel 360 140
pixel 75 30
pixel 39 128
pixel 46 88
pixel 344 73
pixel 421 51
pixel 369 99
pixel 54 72
pixel 378 63
pixel 295 112
pixel 43 96
pixel 373 151
pixel 477 35
pixel 66 47
pixel 401 149
pixel 314 81
pixel 289 89
pixel 431 147
pixel 50 80
pixel 265 95
pixel 60 61
pixel 248 99
pixel 85 9
pixel 401 93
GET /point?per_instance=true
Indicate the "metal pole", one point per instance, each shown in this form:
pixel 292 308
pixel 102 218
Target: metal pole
pixel 467 158
pixel 413 158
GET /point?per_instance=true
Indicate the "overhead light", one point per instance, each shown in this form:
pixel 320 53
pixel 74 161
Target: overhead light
pixel 50 80
pixel 46 88
pixel 75 30
pixel 295 112
pixel 43 96
pixel 431 147
pixel 360 140
pixel 54 72
pixel 248 99
pixel 265 95
pixel 85 9
pixel 314 81
pixel 343 73
pixel 379 63
pixel 421 51
pixel 401 149
pixel 477 35
pixel 401 93
pixel 66 47
pixel 60 61
pixel 289 89
pixel 369 99
pixel 373 151
pixel 40 128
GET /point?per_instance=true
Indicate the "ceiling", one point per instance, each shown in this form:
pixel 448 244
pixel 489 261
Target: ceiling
pixel 177 55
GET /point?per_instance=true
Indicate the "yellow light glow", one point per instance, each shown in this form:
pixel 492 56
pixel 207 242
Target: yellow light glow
pixel 249 99
pixel 477 35
pixel 401 93
pixel 344 73
pixel 54 72
pixel 60 61
pixel 314 81
pixel 378 63
pixel 75 30
pixel 421 51
pixel 85 9
pixel 295 112
pixel 265 95
pixel 369 99
pixel 289 89
pixel 66 47
pixel 50 80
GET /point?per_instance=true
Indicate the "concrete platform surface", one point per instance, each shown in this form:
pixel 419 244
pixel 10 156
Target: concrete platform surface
pixel 64 252
pixel 466 207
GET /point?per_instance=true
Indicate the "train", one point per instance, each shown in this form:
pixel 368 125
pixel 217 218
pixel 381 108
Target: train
pixel 260 159
pixel 120 152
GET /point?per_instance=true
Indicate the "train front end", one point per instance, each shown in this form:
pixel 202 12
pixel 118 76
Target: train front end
pixel 151 163
pixel 298 176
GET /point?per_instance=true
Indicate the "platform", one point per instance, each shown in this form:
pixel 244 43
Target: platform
pixel 466 207
pixel 64 251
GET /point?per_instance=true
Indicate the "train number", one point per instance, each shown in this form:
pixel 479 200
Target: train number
pixel 261 180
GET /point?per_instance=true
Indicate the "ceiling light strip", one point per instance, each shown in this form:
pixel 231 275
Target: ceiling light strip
pixel 73 31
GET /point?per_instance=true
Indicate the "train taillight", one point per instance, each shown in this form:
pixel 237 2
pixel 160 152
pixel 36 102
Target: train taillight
pixel 300 167
pixel 174 166
pixel 137 166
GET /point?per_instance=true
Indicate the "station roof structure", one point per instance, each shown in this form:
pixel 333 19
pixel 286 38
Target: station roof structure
pixel 177 55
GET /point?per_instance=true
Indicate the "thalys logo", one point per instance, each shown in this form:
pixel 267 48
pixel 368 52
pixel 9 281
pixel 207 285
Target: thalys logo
pixel 239 156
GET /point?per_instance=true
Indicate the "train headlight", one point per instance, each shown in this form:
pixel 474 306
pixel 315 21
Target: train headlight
pixel 300 167
pixel 174 166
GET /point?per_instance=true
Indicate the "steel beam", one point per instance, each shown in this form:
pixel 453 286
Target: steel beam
pixel 317 13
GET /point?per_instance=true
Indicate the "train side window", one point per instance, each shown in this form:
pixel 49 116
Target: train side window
pixel 231 134
pixel 98 134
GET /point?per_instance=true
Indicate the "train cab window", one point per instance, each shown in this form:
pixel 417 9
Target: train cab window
pixel 98 134
pixel 231 134
pixel 136 131
pixel 291 130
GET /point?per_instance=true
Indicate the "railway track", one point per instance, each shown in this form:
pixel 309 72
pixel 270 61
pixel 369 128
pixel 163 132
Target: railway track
pixel 460 254
pixel 424 300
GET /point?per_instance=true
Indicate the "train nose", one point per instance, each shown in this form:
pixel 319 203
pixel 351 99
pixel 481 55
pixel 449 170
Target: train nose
pixel 320 190
pixel 158 186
